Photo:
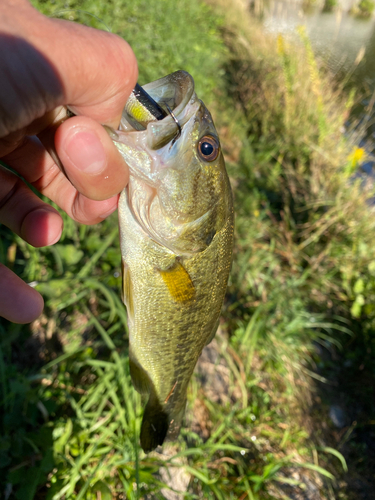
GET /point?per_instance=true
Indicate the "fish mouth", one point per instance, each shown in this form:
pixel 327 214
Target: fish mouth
pixel 175 94
pixel 172 92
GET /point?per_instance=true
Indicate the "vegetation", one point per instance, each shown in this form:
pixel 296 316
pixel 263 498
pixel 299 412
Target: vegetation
pixel 329 5
pixel 299 310
pixel 364 8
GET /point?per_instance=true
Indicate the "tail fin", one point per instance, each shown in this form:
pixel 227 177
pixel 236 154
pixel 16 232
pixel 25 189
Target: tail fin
pixel 155 425
pixel 159 424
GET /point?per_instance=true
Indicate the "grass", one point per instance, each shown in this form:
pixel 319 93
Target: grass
pixel 301 292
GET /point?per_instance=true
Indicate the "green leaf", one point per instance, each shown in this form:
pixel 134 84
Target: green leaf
pixel 316 468
pixel 332 451
pixel 356 309
pixel 69 254
pixel 63 439
pixel 102 488
pixel 205 479
pixel 359 286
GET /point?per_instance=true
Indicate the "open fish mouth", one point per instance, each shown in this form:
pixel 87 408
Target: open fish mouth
pixel 172 93
pixel 174 97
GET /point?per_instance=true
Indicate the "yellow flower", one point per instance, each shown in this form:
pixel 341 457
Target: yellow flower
pixel 357 155
pixel 280 44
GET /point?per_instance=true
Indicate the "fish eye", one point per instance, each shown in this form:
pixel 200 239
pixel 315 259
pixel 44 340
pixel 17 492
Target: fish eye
pixel 208 148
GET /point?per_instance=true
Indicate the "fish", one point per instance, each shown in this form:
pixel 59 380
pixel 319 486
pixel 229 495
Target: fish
pixel 176 223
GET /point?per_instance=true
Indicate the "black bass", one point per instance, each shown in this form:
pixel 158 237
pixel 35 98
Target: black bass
pixel 176 229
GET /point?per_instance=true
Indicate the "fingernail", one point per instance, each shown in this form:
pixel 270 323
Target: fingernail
pixel 86 152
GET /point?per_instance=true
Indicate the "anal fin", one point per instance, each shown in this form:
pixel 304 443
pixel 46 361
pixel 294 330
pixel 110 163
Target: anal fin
pixel 139 376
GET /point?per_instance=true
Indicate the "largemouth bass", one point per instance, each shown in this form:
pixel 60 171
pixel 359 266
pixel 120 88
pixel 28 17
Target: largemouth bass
pixel 176 229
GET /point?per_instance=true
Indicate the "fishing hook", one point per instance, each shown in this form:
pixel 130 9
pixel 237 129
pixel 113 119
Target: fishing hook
pixel 177 123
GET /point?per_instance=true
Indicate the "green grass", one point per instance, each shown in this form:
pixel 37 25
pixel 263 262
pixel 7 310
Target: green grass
pixel 303 276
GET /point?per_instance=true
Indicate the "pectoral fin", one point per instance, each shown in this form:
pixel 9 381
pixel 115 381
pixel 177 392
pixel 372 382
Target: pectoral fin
pixel 178 282
pixel 127 289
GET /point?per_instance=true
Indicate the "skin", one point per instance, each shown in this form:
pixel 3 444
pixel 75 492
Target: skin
pixel 46 64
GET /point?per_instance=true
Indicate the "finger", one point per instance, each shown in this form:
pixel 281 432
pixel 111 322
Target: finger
pixel 19 302
pixel 25 214
pixel 91 161
pixel 108 68
pixel 41 171
pixel 103 61
pixel 90 70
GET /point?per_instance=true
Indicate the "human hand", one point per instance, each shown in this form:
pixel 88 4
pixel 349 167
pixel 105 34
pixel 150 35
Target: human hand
pixel 47 64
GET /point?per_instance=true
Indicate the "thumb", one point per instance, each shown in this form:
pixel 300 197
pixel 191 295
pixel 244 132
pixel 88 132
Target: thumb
pixel 64 63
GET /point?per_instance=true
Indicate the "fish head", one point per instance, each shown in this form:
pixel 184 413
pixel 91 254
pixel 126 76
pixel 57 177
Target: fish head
pixel 180 164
